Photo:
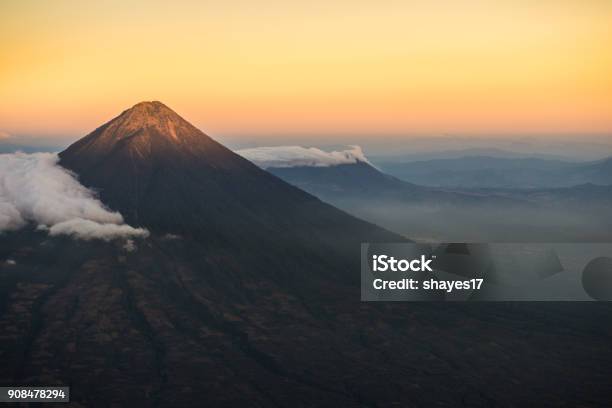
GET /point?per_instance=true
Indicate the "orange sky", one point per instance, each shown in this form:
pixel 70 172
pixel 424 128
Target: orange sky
pixel 287 67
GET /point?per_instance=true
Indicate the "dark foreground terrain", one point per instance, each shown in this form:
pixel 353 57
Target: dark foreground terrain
pixel 175 323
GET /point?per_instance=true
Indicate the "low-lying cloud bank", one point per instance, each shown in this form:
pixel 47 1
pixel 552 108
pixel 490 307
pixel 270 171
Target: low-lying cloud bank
pixel 298 156
pixel 34 188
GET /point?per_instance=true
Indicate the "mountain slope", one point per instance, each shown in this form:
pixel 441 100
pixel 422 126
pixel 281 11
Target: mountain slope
pixel 176 323
pixel 161 172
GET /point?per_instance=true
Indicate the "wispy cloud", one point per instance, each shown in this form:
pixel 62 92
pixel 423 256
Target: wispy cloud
pixel 298 156
pixel 34 188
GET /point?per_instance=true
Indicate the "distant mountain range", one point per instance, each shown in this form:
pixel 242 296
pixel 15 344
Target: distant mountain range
pixel 32 144
pixel 9 147
pixel 578 213
pixel 496 172
pixel 361 181
pixel 468 152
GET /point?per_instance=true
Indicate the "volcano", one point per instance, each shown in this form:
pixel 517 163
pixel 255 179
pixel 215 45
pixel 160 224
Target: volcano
pixel 163 173
pixel 247 293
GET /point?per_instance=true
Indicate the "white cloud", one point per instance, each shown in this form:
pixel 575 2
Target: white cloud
pixel 298 156
pixel 87 229
pixel 34 188
pixel 10 218
pixel 4 135
pixel 130 246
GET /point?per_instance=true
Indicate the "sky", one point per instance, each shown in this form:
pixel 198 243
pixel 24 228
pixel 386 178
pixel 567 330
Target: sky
pixel 289 68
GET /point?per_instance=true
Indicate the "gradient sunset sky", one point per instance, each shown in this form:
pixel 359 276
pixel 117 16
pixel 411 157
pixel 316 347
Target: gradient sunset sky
pixel 311 67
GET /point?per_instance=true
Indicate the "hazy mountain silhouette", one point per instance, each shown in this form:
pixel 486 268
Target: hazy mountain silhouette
pixel 500 172
pixel 361 181
pixel 579 213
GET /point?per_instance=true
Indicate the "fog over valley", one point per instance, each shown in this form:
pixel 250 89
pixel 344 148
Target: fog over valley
pixel 461 208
